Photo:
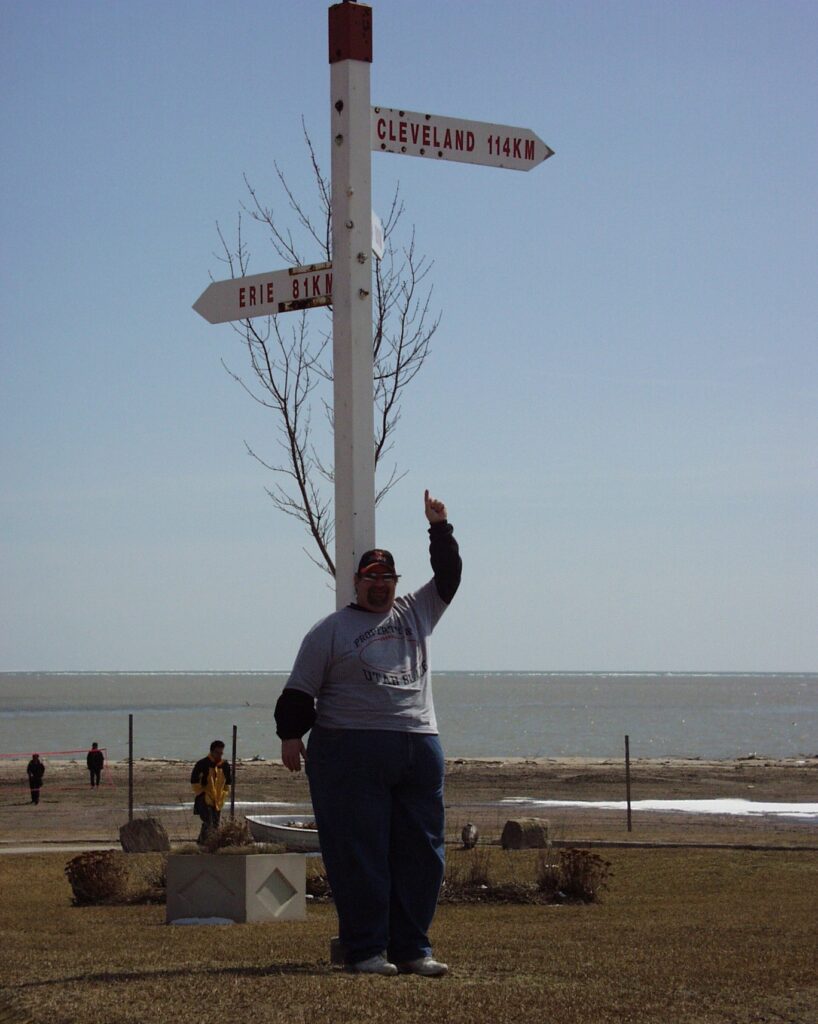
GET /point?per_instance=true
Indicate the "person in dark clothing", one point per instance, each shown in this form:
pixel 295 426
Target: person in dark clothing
pixel 95 761
pixel 211 781
pixel 362 684
pixel 35 771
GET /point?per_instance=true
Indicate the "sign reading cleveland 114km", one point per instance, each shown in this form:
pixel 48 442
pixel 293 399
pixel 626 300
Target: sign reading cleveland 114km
pixel 451 138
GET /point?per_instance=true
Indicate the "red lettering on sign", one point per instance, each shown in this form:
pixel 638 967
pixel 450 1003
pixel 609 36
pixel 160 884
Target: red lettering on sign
pixel 427 135
pixel 458 138
pixel 469 141
pixel 529 149
pixel 517 149
pixel 270 296
pixel 242 303
pixel 381 129
pixel 252 291
pixel 328 279
pixel 316 285
pixel 402 132
pixel 415 129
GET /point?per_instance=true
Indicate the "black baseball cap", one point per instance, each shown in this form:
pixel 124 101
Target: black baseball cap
pixel 377 558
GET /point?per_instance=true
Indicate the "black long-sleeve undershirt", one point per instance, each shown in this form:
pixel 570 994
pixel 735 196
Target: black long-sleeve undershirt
pixel 295 709
pixel 444 555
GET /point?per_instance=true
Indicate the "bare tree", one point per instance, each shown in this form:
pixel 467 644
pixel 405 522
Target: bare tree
pixel 290 363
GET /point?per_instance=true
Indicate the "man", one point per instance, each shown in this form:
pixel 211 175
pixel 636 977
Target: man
pixel 211 781
pixel 95 760
pixel 374 761
pixel 35 769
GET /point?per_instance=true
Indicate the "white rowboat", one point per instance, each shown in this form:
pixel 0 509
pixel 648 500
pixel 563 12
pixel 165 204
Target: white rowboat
pixel 282 828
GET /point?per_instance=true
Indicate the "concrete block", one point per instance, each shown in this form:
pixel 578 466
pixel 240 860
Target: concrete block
pixel 244 888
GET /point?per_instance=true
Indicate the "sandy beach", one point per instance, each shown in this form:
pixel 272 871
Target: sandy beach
pixel 69 810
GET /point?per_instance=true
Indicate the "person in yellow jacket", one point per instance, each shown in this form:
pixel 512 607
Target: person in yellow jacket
pixel 211 781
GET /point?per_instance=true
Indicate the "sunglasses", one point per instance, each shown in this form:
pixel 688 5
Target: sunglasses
pixel 378 577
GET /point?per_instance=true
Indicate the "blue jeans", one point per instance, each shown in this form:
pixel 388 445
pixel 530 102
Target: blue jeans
pixel 378 802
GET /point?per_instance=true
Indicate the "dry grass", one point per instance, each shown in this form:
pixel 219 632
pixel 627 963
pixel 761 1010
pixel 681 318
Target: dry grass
pixel 681 937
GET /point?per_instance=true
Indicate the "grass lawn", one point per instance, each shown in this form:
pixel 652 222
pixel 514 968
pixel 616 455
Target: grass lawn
pixel 681 936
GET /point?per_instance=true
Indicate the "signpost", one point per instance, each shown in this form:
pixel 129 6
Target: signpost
pixel 449 138
pixel 280 291
pixel 358 129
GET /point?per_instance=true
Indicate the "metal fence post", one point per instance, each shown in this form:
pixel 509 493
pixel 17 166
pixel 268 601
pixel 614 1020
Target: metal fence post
pixel 628 778
pixel 233 777
pixel 130 768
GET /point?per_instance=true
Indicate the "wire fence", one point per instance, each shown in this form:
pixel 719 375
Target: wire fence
pixel 621 813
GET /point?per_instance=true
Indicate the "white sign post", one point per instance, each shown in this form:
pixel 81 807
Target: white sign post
pixel 350 57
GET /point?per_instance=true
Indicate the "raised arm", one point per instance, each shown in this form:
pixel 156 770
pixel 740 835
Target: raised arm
pixel 444 553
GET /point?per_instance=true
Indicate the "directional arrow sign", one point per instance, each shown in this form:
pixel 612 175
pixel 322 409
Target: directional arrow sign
pixel 450 138
pixel 280 291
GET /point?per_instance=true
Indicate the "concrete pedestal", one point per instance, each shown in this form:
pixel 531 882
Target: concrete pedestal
pixel 244 888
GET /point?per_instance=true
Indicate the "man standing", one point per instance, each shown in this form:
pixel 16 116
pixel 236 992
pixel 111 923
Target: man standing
pixel 35 769
pixel 211 783
pixel 374 761
pixel 95 760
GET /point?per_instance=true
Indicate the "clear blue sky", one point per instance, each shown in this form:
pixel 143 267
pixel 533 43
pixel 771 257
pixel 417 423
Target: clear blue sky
pixel 620 407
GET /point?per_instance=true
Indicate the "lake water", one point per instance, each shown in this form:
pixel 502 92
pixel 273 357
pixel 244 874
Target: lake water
pixel 480 714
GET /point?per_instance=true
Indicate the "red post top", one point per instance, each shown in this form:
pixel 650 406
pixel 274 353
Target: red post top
pixel 350 32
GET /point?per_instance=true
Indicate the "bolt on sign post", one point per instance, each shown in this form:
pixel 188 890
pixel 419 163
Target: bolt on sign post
pixel 358 130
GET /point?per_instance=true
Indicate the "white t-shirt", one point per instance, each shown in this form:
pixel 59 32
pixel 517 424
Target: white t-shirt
pixel 370 670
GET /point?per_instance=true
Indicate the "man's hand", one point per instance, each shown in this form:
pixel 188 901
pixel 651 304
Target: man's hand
pixel 291 753
pixel 435 510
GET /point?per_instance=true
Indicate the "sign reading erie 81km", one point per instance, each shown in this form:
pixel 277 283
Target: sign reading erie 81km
pixel 451 138
pixel 281 291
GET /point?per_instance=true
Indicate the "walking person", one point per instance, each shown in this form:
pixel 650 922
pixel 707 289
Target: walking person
pixel 362 683
pixel 95 761
pixel 35 769
pixel 211 781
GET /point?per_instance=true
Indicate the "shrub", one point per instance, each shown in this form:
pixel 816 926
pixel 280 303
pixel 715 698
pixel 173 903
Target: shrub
pixel 229 833
pixel 469 869
pixel 148 877
pixel 317 882
pixel 194 850
pixel 478 867
pixel 98 876
pixel 576 874
pixel 549 875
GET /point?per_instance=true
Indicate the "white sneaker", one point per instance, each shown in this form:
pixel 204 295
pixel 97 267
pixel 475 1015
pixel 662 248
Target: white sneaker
pixel 425 965
pixel 377 964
